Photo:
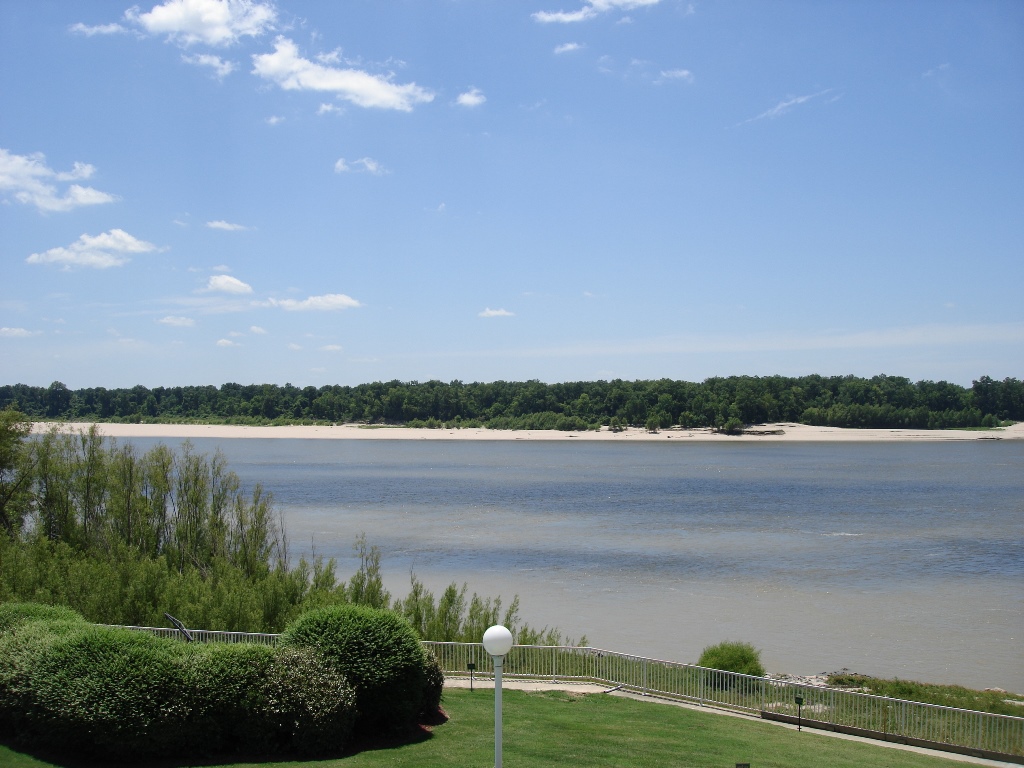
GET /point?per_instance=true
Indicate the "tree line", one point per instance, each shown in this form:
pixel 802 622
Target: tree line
pixel 839 401
pixel 123 537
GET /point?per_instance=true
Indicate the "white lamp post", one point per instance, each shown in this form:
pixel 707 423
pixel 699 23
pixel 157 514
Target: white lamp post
pixel 497 642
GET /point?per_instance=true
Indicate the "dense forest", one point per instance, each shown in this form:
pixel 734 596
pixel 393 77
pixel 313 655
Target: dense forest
pixel 123 536
pixel 839 401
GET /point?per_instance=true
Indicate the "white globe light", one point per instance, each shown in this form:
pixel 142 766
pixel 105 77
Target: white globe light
pixel 497 640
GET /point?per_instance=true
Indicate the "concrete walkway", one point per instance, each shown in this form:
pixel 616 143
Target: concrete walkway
pixel 592 688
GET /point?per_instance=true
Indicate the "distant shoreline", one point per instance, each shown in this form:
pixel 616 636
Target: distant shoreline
pixel 770 433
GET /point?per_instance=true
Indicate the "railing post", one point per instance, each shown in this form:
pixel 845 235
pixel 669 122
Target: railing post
pixel 645 677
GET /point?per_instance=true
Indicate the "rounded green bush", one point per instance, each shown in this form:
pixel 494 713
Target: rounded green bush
pixel 733 656
pixel 377 652
pixel 308 702
pixel 109 692
pixel 21 648
pixel 224 689
pixel 433 686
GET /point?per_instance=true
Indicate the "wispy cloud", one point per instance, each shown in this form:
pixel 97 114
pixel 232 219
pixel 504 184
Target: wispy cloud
pixel 591 9
pixel 326 303
pixel 257 330
pixel 785 106
pixel 683 75
pixel 220 67
pixel 177 321
pixel 495 313
pixel 362 165
pixel 98 29
pixel 109 249
pixel 331 348
pixel 329 109
pixel 227 284
pixel 275 120
pixel 474 97
pixel 292 72
pixel 17 333
pixel 226 226
pixel 227 343
pixel 210 22
pixel 33 182
pixel 567 48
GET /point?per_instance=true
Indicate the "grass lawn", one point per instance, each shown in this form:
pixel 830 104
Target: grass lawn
pixel 562 729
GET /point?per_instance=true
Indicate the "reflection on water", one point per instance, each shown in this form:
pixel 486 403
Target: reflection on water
pixel 894 559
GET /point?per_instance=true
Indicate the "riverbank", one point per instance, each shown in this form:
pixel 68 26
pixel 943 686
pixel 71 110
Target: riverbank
pixel 765 433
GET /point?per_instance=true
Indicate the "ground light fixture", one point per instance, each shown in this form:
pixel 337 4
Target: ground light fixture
pixel 497 642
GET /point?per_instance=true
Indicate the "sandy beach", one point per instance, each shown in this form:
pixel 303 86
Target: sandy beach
pixel 769 433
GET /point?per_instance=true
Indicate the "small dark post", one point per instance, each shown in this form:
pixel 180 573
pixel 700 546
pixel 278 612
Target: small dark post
pixel 799 711
pixel 180 627
pixel 471 666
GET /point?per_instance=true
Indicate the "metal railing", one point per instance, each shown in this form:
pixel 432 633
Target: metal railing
pixel 911 722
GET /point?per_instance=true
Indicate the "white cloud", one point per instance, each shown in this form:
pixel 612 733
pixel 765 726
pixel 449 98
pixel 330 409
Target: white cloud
pixel 221 268
pixel 784 106
pixel 328 109
pixel 109 249
pixel 329 301
pixel 474 97
pixel 294 347
pixel 363 164
pixel 220 67
pixel 567 47
pixel 31 181
pixel 275 120
pixel 17 333
pixel 226 226
pixel 293 73
pixel 496 313
pixel 257 330
pixel 331 348
pixel 211 22
pixel 677 74
pixel 227 284
pixel 177 322
pixel 99 29
pixel 592 9
pixel 227 343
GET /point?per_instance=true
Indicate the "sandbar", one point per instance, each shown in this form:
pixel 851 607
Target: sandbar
pixel 762 433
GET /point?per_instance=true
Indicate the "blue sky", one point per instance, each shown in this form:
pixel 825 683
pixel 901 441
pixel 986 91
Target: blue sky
pixel 205 191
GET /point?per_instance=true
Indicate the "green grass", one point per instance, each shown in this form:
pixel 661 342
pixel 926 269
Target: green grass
pixel 562 729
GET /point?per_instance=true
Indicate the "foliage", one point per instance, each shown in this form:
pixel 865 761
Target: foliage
pixel 433 683
pixel 111 692
pixel 995 702
pixel 839 401
pixel 122 537
pixel 733 656
pixel 377 652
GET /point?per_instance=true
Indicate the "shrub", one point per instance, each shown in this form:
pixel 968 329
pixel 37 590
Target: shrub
pixel 21 648
pixel 739 657
pixel 107 692
pixel 308 702
pixel 377 651
pixel 225 689
pixel 433 686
